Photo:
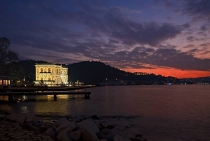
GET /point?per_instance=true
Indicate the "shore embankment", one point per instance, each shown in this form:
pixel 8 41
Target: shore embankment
pixel 25 127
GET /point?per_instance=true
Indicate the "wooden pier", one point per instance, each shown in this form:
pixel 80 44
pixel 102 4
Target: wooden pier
pixel 44 90
pixel 55 93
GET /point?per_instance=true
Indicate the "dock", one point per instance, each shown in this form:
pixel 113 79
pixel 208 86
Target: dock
pixel 55 93
pixel 44 90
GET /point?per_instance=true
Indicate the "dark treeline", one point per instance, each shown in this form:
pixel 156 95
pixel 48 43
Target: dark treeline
pixel 8 58
pixel 92 72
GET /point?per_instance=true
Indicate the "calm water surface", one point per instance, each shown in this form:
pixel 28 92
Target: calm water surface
pixel 167 113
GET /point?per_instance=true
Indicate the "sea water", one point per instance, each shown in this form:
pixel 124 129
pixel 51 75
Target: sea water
pixel 158 112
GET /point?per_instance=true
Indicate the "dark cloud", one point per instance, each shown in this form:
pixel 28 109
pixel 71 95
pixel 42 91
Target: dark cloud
pixel 160 57
pixel 176 59
pixel 82 31
pixel 181 60
pixel 205 44
pixel 112 23
pixel 150 33
pixel 169 18
pixel 189 46
pixel 168 46
pixel 193 51
pixel 186 25
pixel 190 38
pixel 198 9
pixel 203 28
pixel 169 4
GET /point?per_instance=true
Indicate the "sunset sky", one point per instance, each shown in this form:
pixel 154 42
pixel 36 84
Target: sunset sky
pixel 167 37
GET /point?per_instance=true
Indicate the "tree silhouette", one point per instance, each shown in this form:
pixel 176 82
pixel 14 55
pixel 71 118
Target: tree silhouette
pixel 7 56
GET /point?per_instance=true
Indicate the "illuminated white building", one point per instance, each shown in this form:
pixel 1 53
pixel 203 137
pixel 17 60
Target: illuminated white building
pixel 51 74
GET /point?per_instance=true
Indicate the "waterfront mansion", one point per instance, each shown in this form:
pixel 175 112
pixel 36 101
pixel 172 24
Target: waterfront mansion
pixel 51 74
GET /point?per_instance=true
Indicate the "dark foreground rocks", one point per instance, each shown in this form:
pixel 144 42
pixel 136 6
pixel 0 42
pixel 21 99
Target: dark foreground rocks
pixel 24 127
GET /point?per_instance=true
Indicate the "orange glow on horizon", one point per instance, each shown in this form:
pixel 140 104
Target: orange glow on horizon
pixel 173 72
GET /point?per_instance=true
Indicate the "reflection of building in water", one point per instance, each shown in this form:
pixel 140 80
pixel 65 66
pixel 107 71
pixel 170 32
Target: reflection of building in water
pixel 3 98
pixel 51 74
pixel 24 109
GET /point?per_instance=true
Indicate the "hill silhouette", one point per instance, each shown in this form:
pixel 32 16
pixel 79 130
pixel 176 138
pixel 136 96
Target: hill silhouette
pixel 93 72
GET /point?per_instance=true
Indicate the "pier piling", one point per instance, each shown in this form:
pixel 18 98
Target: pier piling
pixel 10 98
pixel 55 97
pixel 87 96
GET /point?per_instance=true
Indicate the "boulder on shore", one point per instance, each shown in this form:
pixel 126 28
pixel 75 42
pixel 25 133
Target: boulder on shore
pixel 17 117
pixel 61 121
pixel 29 117
pixel 66 127
pixel 65 130
pixel 88 125
pixel 120 138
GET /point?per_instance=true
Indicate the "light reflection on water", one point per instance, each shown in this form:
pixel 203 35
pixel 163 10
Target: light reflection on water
pixel 3 98
pixel 24 109
pixel 177 112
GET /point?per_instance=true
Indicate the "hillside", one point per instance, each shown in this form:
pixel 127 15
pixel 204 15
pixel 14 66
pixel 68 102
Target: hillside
pixel 87 72
pixel 91 72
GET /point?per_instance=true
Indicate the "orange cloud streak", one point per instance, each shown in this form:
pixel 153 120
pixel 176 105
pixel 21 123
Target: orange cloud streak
pixel 173 72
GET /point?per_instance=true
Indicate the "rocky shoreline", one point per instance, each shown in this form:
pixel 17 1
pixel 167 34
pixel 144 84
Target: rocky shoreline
pixel 25 127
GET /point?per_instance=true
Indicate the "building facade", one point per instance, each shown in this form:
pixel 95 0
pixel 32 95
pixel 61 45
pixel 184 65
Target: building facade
pixel 5 80
pixel 51 75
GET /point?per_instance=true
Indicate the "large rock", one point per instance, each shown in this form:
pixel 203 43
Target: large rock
pixel 75 135
pixel 38 126
pixel 63 136
pixel 50 132
pixel 89 130
pixel 120 138
pixel 20 118
pixel 2 116
pixel 30 117
pixel 88 136
pixel 61 121
pixel 106 134
pixel 66 127
pixel 89 125
pixel 32 127
pixel 50 125
pixel 53 125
